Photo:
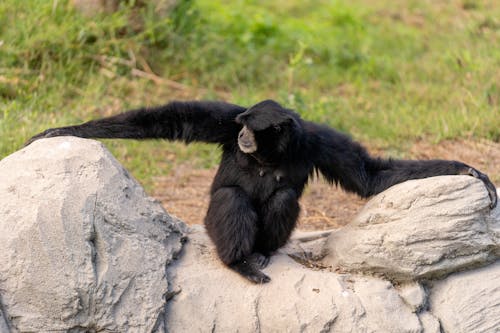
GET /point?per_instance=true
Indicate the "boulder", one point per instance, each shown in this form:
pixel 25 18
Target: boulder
pixel 468 301
pixel 82 247
pixel 420 229
pixel 298 299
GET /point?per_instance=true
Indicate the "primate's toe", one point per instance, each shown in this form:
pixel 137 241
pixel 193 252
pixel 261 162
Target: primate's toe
pixel 51 132
pixel 32 139
pixel 259 278
pixel 490 187
pixel 260 260
pixel 248 269
pixel 493 197
pixel 265 279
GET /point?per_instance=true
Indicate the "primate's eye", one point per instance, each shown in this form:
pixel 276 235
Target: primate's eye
pixel 277 128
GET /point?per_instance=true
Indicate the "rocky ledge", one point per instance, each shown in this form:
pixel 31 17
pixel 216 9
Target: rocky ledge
pixel 84 249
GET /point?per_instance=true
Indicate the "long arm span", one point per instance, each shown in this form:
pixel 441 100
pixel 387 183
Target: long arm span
pixel 345 162
pixel 211 122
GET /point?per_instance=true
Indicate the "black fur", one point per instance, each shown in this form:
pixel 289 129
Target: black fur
pixel 254 197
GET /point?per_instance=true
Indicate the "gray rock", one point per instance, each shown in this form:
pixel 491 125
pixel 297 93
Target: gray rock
pixel 430 323
pixel 468 302
pixel 82 247
pixel 387 312
pixel 298 299
pixel 4 328
pixel 420 229
pixel 413 295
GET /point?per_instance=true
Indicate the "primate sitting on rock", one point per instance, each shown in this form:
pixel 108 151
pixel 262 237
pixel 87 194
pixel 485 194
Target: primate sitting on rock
pixel 269 153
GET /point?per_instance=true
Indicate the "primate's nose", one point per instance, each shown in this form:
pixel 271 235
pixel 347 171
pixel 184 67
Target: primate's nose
pixel 240 135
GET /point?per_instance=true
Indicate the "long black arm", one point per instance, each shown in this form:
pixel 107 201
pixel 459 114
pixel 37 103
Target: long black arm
pixel 211 122
pixel 345 162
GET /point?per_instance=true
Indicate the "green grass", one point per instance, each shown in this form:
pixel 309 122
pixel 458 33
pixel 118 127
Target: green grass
pixel 387 72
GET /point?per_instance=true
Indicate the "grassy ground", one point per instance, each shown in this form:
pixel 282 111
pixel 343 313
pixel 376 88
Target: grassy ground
pixel 388 72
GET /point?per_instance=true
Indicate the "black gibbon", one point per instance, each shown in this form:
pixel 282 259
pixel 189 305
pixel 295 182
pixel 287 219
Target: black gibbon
pixel 269 153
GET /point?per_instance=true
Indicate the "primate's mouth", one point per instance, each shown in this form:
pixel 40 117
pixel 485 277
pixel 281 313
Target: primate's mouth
pixel 247 148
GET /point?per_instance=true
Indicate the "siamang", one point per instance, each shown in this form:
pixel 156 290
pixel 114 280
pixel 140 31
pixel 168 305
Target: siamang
pixel 268 154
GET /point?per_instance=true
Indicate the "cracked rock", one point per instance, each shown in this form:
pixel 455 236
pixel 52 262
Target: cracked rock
pixel 430 323
pixel 414 295
pixel 82 248
pixel 420 229
pixel 298 299
pixel 468 301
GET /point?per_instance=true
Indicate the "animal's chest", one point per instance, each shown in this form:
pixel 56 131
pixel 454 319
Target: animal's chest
pixel 260 182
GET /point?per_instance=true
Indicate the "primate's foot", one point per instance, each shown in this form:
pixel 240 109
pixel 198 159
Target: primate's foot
pixel 249 269
pixel 492 191
pixel 260 260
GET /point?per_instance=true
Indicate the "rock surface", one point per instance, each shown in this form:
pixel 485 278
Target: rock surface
pixel 413 295
pixel 469 301
pixel 4 328
pixel 420 229
pixel 82 247
pixel 298 299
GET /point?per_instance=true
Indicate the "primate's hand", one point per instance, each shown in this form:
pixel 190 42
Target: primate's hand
pixel 490 187
pixel 50 133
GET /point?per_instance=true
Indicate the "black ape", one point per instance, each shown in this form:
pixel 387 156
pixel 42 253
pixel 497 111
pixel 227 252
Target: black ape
pixel 269 153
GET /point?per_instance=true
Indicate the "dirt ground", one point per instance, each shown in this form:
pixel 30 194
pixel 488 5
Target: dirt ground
pixel 184 192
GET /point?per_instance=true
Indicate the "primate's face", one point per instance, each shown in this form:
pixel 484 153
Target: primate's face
pixel 266 129
pixel 246 140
